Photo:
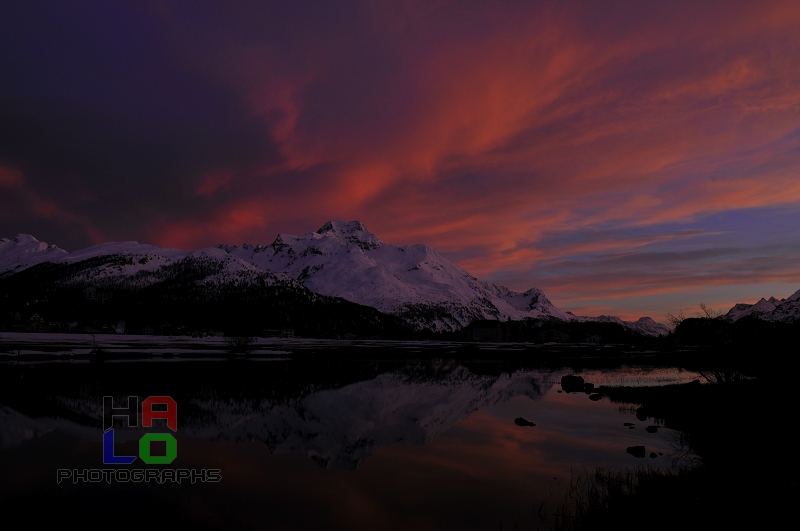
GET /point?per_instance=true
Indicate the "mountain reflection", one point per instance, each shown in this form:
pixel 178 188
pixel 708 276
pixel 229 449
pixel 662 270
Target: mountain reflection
pixel 338 427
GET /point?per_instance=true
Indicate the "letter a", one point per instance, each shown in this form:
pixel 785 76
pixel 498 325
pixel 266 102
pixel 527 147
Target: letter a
pixel 171 414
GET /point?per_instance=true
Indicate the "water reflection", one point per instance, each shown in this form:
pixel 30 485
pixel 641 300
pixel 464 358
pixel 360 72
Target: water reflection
pixel 338 428
pixel 436 446
pixel 640 376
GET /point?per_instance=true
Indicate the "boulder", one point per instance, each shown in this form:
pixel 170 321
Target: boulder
pixel 572 383
pixel 636 451
pixel 596 397
pixel 519 421
pixel 651 429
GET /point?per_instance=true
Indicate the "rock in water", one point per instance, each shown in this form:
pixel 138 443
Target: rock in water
pixel 519 421
pixel 596 397
pixel 636 451
pixel 651 429
pixel 572 383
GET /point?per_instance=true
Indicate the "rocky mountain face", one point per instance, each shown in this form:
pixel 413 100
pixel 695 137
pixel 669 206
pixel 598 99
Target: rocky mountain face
pixel 341 259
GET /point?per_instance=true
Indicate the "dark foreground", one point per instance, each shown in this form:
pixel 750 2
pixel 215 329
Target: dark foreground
pixel 413 436
pixel 746 476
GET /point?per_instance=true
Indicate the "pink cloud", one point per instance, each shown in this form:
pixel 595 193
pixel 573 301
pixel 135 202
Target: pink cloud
pixel 213 181
pixel 487 129
pixel 10 177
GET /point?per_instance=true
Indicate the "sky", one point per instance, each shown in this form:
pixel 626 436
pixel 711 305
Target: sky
pixel 628 158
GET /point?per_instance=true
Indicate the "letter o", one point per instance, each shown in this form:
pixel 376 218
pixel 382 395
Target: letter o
pixel 144 448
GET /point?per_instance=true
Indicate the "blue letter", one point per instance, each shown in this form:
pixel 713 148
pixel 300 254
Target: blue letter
pixel 108 451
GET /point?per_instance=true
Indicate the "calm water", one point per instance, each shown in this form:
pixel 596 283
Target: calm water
pixel 419 446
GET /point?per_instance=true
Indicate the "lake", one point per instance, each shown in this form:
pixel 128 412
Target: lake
pixel 305 444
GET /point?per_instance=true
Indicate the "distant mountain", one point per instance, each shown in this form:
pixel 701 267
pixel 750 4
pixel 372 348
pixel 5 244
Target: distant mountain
pixel 784 310
pixel 644 325
pixel 24 251
pixel 341 259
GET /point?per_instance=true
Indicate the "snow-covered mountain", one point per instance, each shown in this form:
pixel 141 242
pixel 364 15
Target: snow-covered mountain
pixel 346 260
pixel 341 259
pixel 129 264
pixel 644 325
pixel 24 251
pixel 778 310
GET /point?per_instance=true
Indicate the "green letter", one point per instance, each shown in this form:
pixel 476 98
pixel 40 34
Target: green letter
pixel 144 448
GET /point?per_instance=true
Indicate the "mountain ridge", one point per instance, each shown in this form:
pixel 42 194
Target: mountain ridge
pixel 341 259
pixel 775 310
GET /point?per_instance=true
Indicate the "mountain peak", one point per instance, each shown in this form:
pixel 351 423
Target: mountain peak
pixel 30 243
pixel 345 227
pixel 24 238
pixel 23 250
pixel 350 232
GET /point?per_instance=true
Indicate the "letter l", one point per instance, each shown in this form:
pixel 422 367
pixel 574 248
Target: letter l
pixel 108 451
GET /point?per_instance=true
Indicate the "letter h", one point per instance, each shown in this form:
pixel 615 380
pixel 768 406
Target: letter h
pixel 109 412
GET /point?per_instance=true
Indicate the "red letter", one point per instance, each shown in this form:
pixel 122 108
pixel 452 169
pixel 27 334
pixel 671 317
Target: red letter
pixel 171 414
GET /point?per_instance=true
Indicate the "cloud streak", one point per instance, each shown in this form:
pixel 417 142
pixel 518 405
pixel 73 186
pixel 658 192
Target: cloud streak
pixel 522 139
